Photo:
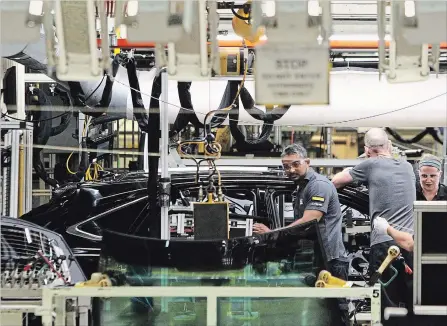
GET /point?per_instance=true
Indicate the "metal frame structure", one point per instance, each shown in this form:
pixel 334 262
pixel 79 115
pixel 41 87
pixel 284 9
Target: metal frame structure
pixel 444 152
pixel 273 162
pixel 421 207
pixel 53 300
pixel 15 183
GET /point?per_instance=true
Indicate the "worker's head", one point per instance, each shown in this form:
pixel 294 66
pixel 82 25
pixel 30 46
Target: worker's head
pixel 377 143
pixel 430 172
pixel 295 161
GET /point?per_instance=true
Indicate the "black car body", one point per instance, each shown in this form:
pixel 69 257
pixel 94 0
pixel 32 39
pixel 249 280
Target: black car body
pixel 81 211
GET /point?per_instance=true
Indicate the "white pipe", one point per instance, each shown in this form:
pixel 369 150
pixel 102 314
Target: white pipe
pixel 357 99
pixel 164 151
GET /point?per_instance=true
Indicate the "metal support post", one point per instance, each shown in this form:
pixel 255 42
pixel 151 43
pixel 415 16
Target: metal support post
pixel 28 141
pixel 14 174
pixel 329 148
pixel 165 182
pixel 146 154
pixel 20 91
pixel 277 138
pixel 81 121
pixel 444 152
pixel 164 158
pixel 17 179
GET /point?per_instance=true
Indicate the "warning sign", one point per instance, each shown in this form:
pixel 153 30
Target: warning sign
pixel 291 74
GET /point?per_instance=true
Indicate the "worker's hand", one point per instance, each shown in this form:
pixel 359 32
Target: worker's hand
pixel 260 228
pixel 381 225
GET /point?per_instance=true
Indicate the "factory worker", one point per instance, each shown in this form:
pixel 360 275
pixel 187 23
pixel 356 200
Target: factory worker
pixel 316 199
pixel 392 191
pixel 430 187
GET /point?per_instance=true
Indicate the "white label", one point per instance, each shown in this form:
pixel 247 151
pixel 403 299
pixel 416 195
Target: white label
pixel 291 74
pixel 288 210
pixel 28 236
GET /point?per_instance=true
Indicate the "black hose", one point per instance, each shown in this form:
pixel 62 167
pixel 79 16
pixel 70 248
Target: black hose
pixel 242 144
pixel 186 113
pixel 428 131
pixel 140 158
pixel 104 119
pixel 149 218
pixel 137 100
pixel 66 118
pixel 41 133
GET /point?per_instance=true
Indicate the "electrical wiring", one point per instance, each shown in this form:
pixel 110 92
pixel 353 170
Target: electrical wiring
pixel 207 128
pixel 96 169
pixel 84 132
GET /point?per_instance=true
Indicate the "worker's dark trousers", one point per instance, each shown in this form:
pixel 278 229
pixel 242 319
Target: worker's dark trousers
pixel 340 269
pixel 400 291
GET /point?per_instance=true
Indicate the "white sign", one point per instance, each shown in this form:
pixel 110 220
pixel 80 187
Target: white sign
pixel 291 74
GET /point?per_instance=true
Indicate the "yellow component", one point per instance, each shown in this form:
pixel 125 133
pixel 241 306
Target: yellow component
pixel 243 28
pixel 330 280
pixel 323 284
pixel 393 253
pixel 315 198
pixel 118 35
pixel 96 280
pixel 230 61
pixel 223 137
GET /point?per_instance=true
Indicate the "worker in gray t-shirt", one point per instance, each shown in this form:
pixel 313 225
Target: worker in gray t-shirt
pixel 316 199
pixel 392 191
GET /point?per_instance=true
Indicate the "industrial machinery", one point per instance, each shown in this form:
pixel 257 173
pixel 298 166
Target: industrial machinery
pixel 200 66
pixel 32 258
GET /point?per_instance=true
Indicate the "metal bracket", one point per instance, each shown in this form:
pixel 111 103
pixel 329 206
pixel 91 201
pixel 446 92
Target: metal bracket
pixel 414 26
pixel 183 27
pixel 75 54
pixel 20 21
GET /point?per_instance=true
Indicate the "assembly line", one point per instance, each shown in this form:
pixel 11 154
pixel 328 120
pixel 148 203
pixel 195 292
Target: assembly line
pixel 215 162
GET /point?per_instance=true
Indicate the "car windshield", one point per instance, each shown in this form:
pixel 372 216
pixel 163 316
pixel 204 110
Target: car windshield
pixel 282 258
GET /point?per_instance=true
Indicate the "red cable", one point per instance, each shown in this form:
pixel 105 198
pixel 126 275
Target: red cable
pixel 47 261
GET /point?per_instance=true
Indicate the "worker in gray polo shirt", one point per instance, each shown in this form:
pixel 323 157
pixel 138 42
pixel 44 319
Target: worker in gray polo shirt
pixel 392 190
pixel 316 199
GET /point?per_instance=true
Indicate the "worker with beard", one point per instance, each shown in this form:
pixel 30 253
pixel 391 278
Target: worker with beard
pixel 316 199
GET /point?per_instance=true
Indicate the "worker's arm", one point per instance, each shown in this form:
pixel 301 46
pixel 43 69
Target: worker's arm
pixel 403 239
pixel 317 195
pixel 342 179
pixel 308 216
pixel 359 173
